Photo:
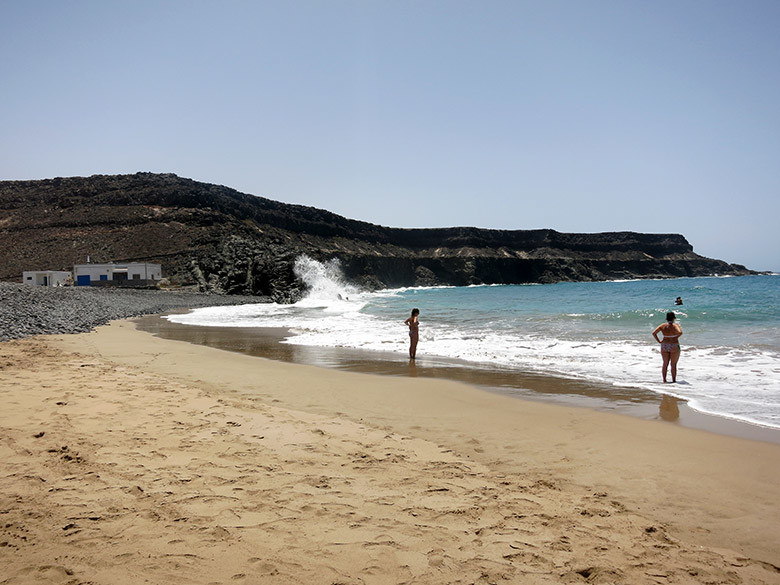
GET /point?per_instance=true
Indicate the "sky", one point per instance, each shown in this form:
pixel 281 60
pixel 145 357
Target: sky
pixel 574 115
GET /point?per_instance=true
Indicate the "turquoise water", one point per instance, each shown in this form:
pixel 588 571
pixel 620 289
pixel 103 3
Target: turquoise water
pixel 597 331
pixel 742 311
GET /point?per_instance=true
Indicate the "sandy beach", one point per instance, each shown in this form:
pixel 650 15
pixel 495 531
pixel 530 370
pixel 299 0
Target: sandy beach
pixel 127 458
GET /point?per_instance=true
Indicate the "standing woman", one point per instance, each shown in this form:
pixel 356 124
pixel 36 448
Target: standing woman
pixel 670 344
pixel 414 334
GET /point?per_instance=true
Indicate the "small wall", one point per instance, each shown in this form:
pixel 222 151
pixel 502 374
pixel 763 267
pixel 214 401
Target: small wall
pixel 125 283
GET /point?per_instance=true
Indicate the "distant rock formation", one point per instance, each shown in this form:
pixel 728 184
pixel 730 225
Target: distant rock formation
pixel 231 242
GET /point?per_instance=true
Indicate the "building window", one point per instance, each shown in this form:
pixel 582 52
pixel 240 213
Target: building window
pixel 136 277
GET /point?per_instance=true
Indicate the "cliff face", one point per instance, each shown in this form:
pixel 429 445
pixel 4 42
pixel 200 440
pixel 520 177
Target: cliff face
pixel 228 241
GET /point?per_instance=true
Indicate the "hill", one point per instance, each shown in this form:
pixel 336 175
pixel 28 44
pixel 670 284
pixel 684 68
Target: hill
pixel 227 241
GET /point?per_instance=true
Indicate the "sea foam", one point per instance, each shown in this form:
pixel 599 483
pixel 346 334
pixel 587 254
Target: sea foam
pixel 599 332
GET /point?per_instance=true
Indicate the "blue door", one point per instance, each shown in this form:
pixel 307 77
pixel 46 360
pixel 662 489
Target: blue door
pixel 82 280
pixel 104 277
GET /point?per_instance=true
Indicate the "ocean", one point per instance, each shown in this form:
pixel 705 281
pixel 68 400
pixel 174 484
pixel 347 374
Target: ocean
pixel 593 332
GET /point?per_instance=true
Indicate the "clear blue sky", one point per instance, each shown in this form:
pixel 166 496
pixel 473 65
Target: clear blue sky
pixel 580 115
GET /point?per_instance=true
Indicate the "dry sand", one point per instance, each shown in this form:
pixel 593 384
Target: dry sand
pixel 130 459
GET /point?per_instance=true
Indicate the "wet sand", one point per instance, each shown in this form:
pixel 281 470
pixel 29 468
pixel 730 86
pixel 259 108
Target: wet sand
pixel 127 458
pixel 644 404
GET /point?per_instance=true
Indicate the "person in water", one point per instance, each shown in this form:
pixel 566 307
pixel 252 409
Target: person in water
pixel 670 344
pixel 414 333
pixel 678 301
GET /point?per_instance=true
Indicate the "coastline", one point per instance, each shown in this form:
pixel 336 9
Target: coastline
pixel 643 404
pixel 129 457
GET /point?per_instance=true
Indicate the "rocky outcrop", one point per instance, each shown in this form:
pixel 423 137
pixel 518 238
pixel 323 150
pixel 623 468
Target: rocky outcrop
pixel 230 242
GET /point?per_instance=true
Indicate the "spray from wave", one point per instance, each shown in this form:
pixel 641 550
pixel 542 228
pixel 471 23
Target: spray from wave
pixel 324 281
pixel 328 294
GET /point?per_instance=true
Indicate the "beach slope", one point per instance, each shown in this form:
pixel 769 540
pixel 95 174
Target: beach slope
pixel 126 458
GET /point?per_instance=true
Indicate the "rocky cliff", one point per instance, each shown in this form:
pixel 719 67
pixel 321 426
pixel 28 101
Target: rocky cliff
pixel 227 241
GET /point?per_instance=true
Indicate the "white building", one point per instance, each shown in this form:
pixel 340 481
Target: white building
pixel 47 277
pixel 122 274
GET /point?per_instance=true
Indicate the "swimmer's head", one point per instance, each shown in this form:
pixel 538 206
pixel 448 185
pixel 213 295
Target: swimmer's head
pixel 670 316
pixel 415 312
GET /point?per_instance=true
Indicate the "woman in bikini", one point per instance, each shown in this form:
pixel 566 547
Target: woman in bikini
pixel 670 344
pixel 414 334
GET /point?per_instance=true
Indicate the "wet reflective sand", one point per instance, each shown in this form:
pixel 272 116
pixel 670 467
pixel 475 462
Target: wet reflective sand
pixel 266 343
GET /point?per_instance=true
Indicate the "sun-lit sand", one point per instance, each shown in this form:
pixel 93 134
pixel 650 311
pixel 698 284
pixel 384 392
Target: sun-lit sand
pixel 126 458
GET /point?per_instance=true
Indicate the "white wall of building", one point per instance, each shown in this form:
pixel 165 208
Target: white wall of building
pixel 111 271
pixel 47 277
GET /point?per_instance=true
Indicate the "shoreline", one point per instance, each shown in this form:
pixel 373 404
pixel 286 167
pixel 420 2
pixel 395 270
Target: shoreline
pixel 635 402
pixel 130 458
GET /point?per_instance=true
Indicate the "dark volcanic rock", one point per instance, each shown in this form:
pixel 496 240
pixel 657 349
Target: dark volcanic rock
pixel 234 243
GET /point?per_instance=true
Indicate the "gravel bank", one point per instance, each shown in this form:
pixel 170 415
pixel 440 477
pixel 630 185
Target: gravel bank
pixel 35 310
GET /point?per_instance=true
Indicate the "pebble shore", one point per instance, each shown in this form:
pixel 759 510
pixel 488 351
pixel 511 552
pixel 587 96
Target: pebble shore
pixel 36 310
